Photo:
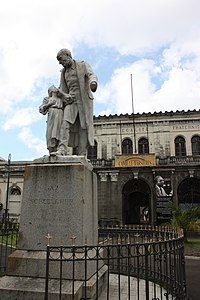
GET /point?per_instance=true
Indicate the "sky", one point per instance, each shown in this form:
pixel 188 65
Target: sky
pixel 152 44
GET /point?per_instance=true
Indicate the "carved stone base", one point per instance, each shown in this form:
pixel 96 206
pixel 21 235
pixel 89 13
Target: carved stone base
pixel 33 264
pixel 29 288
pixel 59 199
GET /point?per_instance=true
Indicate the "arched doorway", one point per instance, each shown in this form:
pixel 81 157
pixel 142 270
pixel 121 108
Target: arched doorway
pixel 189 192
pixel 136 201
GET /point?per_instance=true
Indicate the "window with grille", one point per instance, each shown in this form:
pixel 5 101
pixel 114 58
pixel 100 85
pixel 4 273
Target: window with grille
pixel 180 148
pixel 127 146
pixel 143 146
pixel 92 151
pixel 15 191
pixel 195 145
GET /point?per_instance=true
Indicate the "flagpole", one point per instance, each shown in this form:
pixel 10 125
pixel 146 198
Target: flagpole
pixel 135 147
pixel 120 124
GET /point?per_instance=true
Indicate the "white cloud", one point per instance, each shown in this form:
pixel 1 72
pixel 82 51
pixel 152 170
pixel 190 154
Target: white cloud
pixel 134 80
pixel 21 118
pixel 179 91
pixel 32 142
pixel 162 36
pixel 180 88
pixel 33 32
pixel 139 26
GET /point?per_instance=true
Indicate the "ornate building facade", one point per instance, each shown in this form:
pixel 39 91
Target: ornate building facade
pixel 142 162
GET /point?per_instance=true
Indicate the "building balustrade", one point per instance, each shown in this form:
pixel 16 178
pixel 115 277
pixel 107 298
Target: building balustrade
pixel 169 160
pixel 179 160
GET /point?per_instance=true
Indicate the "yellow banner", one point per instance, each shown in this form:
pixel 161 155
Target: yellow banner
pixel 135 160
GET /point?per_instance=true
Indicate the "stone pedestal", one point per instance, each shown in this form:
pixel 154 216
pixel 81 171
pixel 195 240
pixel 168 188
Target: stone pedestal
pixel 60 199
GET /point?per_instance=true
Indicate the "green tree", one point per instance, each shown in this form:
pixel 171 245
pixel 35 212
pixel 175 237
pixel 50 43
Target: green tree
pixel 185 218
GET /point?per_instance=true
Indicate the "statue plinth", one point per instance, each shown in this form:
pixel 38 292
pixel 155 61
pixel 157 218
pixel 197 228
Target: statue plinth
pixel 59 201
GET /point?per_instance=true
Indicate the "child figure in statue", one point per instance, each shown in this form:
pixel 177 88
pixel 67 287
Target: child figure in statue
pixel 53 105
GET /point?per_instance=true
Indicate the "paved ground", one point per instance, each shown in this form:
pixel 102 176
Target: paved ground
pixel 4 252
pixel 192 265
pixel 136 292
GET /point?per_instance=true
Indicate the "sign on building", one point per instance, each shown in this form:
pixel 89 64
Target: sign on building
pixel 135 160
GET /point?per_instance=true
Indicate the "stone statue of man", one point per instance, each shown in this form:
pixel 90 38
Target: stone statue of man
pixel 77 83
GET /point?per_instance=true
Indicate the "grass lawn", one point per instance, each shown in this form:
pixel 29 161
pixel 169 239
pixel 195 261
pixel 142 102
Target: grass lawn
pixel 192 247
pixel 10 239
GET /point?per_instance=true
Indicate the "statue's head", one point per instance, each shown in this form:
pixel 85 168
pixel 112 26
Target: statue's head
pixel 64 52
pixel 64 57
pixel 159 180
pixel 52 89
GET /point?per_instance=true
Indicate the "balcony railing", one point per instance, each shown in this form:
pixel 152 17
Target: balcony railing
pixel 170 160
pixel 103 162
pixel 178 160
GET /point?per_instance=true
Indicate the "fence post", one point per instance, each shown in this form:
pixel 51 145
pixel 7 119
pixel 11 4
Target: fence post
pixel 146 272
pixel 47 274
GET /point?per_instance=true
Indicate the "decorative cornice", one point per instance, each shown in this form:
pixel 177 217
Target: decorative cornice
pixel 149 114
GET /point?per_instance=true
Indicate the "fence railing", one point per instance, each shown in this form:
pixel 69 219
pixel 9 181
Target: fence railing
pixel 128 263
pixel 8 242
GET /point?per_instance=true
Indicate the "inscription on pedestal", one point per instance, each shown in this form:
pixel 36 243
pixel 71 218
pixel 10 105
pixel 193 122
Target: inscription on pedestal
pixel 59 200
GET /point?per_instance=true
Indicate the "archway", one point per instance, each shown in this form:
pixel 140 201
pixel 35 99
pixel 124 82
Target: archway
pixel 136 201
pixel 189 192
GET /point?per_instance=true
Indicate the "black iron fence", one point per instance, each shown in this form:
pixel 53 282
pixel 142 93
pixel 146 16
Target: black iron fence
pixel 128 263
pixel 8 242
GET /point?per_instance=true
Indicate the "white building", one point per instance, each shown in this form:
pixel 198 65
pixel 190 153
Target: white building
pixel 129 152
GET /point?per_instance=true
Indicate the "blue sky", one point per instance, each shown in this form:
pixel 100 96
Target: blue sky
pixel 157 41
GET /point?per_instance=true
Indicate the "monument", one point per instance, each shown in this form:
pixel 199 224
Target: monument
pixel 60 191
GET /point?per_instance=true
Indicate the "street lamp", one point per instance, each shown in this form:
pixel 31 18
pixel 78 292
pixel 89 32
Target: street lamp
pixel 6 214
